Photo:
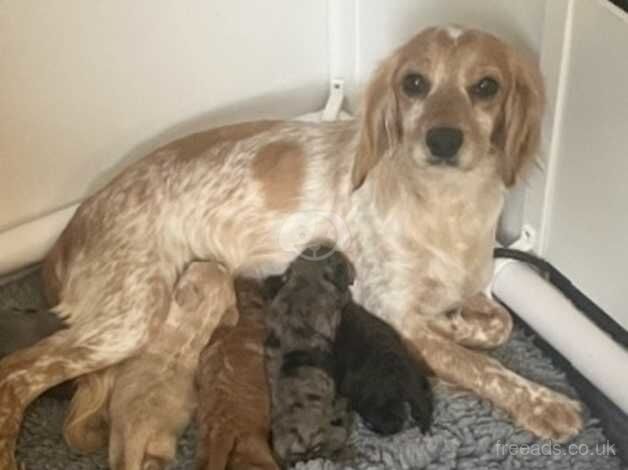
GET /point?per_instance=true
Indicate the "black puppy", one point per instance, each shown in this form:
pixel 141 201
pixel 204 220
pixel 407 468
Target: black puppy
pixel 376 372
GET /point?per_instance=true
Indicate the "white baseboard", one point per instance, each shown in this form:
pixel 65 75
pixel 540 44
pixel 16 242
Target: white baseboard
pixel 28 243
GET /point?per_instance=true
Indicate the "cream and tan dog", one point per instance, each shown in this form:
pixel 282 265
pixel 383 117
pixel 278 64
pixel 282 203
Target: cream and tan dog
pixel 145 403
pixel 234 400
pixel 448 122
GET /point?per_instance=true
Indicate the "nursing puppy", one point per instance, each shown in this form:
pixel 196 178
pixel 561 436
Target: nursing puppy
pixel 376 372
pixel 234 401
pixel 308 419
pixel 148 400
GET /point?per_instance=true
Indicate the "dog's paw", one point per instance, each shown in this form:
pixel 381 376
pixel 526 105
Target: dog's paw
pixel 552 416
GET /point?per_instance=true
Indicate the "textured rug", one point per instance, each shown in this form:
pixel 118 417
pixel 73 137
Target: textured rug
pixel 468 433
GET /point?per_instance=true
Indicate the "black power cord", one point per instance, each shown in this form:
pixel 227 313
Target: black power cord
pixel 623 4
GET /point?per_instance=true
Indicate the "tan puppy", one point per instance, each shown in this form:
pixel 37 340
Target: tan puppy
pixel 148 400
pixel 234 401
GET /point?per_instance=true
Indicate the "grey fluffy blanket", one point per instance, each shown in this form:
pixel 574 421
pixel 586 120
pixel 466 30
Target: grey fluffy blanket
pixel 468 433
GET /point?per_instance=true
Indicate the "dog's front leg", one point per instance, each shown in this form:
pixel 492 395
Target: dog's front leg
pixel 480 323
pixel 544 412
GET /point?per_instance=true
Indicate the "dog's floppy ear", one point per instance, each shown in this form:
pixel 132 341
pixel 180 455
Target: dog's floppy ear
pixel 380 122
pixel 518 132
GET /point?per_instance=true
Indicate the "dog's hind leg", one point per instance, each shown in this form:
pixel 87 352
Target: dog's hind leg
pixel 89 344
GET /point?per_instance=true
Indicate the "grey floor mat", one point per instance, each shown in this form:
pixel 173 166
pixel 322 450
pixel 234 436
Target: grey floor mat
pixel 468 433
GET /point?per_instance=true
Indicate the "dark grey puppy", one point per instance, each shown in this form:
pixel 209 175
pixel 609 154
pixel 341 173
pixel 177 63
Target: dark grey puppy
pixel 377 373
pixel 308 418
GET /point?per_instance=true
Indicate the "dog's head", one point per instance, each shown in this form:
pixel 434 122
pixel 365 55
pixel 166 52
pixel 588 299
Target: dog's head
pixel 450 98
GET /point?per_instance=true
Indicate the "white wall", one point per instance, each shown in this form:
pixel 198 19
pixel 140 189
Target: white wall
pixel 86 84
pixel 586 207
pixel 371 29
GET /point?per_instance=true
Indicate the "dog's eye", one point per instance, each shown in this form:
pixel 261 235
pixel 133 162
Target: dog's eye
pixel 415 84
pixel 485 88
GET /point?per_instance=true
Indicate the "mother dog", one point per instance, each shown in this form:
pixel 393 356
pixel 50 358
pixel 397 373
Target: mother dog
pixel 448 122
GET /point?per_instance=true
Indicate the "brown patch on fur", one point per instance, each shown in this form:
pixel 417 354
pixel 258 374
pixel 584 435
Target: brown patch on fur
pixel 280 169
pixel 195 145
pixel 234 400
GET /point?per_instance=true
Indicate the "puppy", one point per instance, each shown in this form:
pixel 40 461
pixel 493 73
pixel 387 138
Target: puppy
pixel 234 401
pixel 376 372
pixel 308 419
pixel 148 400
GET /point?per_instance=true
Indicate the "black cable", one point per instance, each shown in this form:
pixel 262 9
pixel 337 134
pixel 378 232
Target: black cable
pixel 589 308
pixel 623 4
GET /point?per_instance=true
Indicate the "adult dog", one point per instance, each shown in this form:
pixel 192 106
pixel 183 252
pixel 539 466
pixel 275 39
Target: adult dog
pixel 448 122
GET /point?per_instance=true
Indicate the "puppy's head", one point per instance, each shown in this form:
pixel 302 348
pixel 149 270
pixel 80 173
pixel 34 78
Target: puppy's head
pixel 205 284
pixel 319 263
pixel 313 290
pixel 449 99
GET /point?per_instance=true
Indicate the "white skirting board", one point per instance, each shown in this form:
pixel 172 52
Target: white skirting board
pixel 547 311
pixel 28 243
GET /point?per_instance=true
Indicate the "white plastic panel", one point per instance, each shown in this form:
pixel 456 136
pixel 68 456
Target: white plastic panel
pixel 587 223
pixel 84 83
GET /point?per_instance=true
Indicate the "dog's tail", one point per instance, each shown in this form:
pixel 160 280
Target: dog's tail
pixel 219 446
pixel 86 424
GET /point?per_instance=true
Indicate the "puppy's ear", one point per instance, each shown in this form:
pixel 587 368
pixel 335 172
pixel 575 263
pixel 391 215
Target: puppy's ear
pixel 380 122
pixel 518 132
pixel 341 271
pixel 272 285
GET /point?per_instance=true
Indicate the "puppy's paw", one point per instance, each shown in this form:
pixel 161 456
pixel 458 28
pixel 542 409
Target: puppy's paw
pixel 386 419
pixel 552 416
pixel 422 413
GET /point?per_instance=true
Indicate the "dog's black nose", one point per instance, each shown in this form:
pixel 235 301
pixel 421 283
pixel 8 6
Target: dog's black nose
pixel 444 142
